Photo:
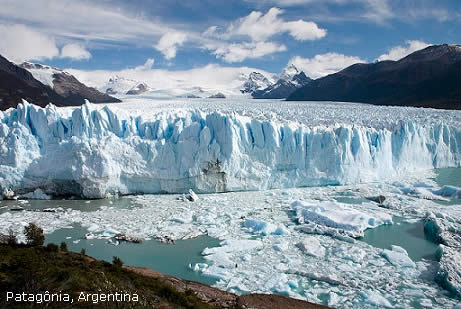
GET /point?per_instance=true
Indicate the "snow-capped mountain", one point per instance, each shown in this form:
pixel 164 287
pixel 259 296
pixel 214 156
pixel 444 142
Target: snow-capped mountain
pixel 429 77
pixel 289 80
pixel 256 81
pixel 42 73
pixel 65 84
pixel 138 89
pixel 119 85
pixel 289 72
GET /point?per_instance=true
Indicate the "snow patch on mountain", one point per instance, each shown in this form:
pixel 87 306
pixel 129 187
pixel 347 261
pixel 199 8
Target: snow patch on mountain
pixel 119 85
pixel 255 81
pixel 43 73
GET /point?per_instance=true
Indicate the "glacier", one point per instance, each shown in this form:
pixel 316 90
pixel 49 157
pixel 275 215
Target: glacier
pixel 95 151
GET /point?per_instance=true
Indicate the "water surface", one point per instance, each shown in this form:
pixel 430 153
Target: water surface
pixel 409 236
pixel 171 259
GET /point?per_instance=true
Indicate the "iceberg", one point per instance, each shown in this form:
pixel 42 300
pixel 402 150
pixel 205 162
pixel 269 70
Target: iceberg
pixel 334 215
pixel 94 151
pixel 398 256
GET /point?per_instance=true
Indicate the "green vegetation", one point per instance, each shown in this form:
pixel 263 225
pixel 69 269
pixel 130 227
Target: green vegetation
pixel 63 246
pixel 117 262
pixel 37 269
pixel 34 235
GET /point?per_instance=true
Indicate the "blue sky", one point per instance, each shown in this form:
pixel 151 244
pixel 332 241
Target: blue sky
pixel 319 35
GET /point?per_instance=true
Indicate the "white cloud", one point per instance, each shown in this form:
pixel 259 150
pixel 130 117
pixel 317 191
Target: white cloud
pixel 169 43
pixel 19 43
pixel 237 52
pixel 83 20
pixel 75 51
pixel 247 37
pixel 260 27
pixel 304 30
pixel 378 11
pixel 398 52
pixel 210 77
pixel 324 64
pixel 146 66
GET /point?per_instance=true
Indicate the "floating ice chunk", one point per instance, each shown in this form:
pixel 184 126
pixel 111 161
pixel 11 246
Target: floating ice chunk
pixel 192 197
pixel 8 194
pixel 354 254
pixel 398 257
pixel 333 299
pixel 38 194
pixel 221 257
pixel 198 267
pixel 233 245
pixel 449 273
pixel 374 298
pixel 422 193
pixel 449 191
pixel 109 233
pixel 265 228
pixel 339 216
pixel 311 246
pixel 281 246
pixel 184 218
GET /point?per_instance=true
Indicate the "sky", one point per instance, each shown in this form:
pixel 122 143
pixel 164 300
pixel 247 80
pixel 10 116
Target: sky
pixel 318 36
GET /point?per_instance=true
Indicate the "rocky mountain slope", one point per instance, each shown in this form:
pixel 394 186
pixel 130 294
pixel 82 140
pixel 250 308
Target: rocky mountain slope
pixel 66 85
pixel 17 83
pixel 256 81
pixel 426 78
pixel 287 82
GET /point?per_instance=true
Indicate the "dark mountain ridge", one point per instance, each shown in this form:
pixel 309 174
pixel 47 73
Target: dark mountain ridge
pixel 17 83
pixel 426 78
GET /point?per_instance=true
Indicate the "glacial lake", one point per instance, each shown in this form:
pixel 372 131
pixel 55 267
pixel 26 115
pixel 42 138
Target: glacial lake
pixel 170 259
pixel 409 236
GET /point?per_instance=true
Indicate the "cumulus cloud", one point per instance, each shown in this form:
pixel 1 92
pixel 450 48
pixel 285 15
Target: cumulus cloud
pixel 19 43
pixel 398 52
pixel 324 64
pixel 237 52
pixel 75 51
pixel 146 66
pixel 252 34
pixel 210 77
pixel 259 27
pixel 169 43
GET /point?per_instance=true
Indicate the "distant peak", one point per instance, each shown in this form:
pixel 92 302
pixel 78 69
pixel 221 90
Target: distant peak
pixel 289 71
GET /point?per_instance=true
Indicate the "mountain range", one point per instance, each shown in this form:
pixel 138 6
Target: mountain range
pixel 119 85
pixel 430 77
pixel 41 85
pixel 261 87
pixel 426 78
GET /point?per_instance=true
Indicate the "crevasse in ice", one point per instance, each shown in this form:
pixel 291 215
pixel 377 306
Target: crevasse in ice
pixel 92 151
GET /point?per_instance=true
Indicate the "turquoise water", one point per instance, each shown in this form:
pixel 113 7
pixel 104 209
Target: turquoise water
pixel 450 176
pixel 171 259
pixel 409 236
pixel 82 205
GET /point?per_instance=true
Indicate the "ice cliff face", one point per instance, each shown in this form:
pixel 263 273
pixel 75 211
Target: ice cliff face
pixel 92 151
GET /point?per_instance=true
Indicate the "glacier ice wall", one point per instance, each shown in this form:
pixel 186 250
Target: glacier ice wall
pixel 92 151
